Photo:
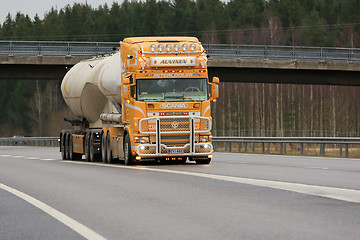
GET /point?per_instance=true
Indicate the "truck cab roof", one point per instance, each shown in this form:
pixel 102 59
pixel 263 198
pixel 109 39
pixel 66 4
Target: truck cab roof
pixel 134 40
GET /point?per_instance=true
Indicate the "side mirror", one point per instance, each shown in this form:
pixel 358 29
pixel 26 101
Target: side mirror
pixel 215 80
pixel 126 93
pixel 214 91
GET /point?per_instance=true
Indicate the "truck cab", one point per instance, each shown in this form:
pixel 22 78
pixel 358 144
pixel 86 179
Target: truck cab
pixel 167 96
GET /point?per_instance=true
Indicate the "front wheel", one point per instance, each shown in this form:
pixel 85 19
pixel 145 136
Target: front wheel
pixel 128 157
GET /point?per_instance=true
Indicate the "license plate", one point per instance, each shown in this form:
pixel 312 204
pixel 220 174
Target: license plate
pixel 175 151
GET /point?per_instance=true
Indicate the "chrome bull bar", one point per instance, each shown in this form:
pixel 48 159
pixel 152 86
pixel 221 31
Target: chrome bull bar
pixel 174 125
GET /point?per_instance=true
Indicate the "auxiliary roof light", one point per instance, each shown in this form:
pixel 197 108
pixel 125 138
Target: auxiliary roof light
pixel 152 47
pixel 176 47
pixel 184 47
pixel 168 47
pixel 160 47
pixel 192 47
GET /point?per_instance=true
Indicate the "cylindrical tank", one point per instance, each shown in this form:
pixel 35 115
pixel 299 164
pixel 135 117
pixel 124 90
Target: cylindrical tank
pixel 90 84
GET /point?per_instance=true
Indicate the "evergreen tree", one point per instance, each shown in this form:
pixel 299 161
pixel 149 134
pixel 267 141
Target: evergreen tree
pixel 316 34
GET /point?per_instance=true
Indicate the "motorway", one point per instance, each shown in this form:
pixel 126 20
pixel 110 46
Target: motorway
pixel 237 196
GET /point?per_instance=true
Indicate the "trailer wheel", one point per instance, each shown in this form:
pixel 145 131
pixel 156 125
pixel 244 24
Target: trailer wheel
pixel 103 148
pixel 66 145
pixel 71 147
pixel 109 157
pixel 86 147
pixel 62 146
pixel 127 151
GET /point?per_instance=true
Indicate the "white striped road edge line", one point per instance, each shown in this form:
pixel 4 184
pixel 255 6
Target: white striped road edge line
pixel 30 158
pixel 71 223
pixel 349 195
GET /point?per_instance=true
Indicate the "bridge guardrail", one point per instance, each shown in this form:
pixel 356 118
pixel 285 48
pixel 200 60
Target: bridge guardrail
pixel 342 143
pixel 62 48
pixel 56 48
pixel 283 52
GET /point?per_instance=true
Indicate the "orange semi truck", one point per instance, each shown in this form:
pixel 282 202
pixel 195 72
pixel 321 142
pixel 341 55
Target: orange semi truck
pixel 149 100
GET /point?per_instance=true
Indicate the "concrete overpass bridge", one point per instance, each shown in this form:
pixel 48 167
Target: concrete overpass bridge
pixel 232 63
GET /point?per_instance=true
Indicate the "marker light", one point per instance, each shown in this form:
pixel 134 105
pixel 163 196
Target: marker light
pixel 152 47
pixel 192 47
pixel 168 47
pixel 160 47
pixel 176 47
pixel 184 47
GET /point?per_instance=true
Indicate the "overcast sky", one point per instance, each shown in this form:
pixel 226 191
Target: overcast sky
pixel 31 7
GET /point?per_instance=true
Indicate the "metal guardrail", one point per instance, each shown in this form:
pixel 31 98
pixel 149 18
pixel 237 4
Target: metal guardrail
pixel 341 143
pixel 56 48
pixel 60 48
pixel 283 52
pixel 30 141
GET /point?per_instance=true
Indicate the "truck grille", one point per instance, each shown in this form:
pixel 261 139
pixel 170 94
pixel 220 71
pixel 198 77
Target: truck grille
pixel 174 124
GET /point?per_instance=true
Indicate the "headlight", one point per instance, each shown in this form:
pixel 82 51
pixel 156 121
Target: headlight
pixel 176 47
pixel 192 47
pixel 168 47
pixel 152 47
pixel 142 139
pixel 160 47
pixel 184 47
pixel 204 138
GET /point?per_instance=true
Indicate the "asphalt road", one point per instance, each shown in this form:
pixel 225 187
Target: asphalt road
pixel 238 196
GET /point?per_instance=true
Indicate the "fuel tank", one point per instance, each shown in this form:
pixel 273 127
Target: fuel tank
pixel 93 86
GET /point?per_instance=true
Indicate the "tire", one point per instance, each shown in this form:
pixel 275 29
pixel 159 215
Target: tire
pixel 128 157
pixel 109 158
pixel 86 147
pixel 66 145
pixel 71 147
pixel 103 147
pixel 62 146
pixel 203 161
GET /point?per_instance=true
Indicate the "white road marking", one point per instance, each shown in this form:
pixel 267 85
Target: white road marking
pixel 349 195
pixel 322 168
pixel 71 223
pixel 30 158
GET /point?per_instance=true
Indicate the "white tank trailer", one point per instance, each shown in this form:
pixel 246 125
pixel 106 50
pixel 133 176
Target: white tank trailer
pixel 93 87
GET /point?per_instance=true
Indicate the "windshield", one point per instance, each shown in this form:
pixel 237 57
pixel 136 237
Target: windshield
pixel 172 90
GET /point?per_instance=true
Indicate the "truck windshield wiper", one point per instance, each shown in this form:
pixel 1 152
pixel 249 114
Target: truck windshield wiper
pixel 188 98
pixel 151 99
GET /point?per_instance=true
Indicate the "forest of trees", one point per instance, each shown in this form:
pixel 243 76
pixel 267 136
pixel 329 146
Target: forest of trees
pixel 248 109
pixel 277 22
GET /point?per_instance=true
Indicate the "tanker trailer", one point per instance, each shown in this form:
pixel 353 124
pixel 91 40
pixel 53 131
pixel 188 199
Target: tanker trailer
pixel 149 100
